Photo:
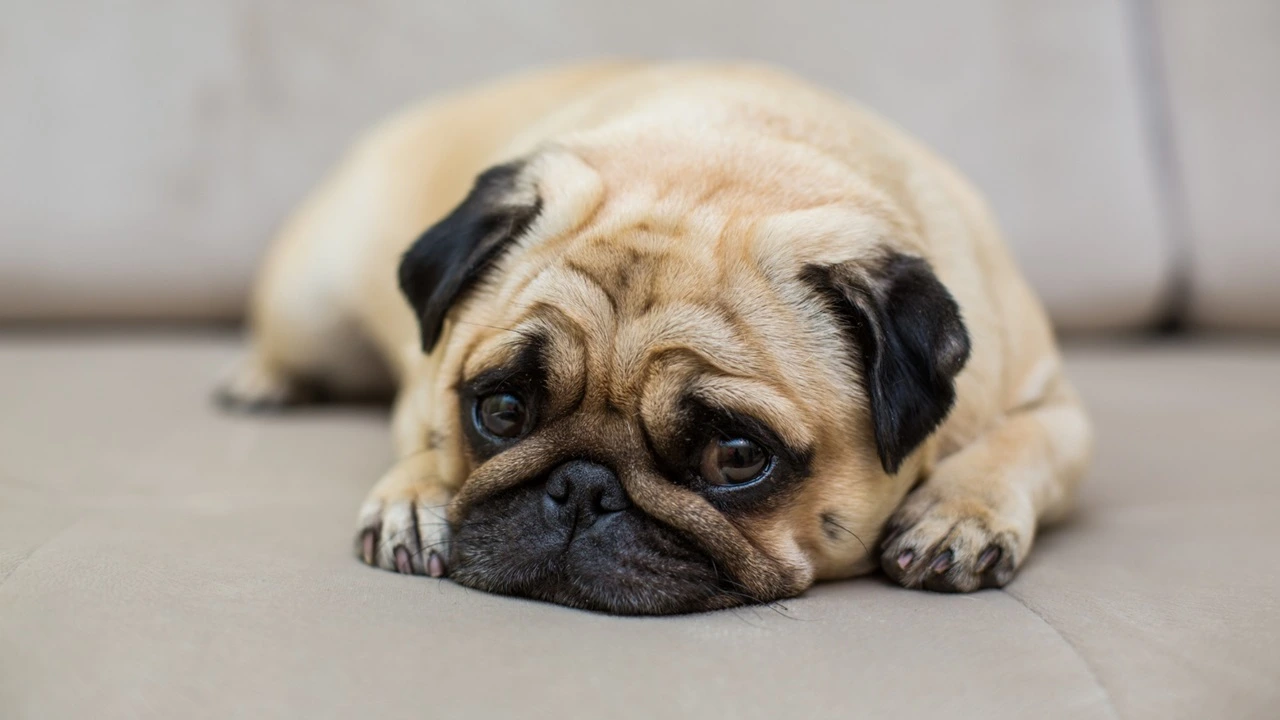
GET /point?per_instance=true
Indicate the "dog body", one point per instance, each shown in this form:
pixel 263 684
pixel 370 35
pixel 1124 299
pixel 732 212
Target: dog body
pixel 678 337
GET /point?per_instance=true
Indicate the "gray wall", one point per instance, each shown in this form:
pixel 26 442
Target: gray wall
pixel 150 148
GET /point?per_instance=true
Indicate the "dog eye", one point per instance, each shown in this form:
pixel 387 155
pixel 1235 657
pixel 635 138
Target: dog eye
pixel 502 415
pixel 733 461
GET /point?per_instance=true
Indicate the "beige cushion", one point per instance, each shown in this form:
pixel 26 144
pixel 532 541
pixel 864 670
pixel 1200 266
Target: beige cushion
pixel 150 148
pixel 1223 67
pixel 159 559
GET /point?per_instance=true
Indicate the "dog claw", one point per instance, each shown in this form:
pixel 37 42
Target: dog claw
pixel 403 566
pixel 942 563
pixel 368 545
pixel 987 559
pixel 435 565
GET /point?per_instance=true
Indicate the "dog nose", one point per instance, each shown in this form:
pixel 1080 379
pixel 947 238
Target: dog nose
pixel 582 492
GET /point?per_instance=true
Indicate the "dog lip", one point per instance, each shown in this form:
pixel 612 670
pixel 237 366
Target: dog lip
pixel 574 523
pixel 520 542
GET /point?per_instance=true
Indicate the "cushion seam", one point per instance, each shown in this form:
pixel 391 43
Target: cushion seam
pixel 1163 160
pixel 1093 673
pixel 27 558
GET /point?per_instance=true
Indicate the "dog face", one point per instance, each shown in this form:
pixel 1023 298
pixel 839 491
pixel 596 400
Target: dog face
pixel 672 389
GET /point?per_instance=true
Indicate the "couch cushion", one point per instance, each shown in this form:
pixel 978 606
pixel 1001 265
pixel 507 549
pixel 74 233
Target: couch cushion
pixel 1223 66
pixel 156 146
pixel 160 559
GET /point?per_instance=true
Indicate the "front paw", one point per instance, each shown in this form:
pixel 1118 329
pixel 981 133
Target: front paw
pixel 955 541
pixel 402 527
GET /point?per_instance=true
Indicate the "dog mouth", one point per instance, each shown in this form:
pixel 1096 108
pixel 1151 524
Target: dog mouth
pixel 607 558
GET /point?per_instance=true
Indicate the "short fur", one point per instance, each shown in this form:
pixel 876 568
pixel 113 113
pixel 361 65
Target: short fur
pixel 657 256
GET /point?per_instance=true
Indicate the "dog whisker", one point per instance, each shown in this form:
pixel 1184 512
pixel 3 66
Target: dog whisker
pixel 832 521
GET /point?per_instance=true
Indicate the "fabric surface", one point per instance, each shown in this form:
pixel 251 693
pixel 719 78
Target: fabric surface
pixel 161 560
pixel 1223 67
pixel 151 148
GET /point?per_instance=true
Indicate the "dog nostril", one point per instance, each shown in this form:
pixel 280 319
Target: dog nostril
pixel 591 489
pixel 558 487
pixel 612 499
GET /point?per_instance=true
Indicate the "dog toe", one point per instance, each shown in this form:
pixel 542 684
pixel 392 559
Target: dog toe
pixel 253 388
pixel 949 547
pixel 405 536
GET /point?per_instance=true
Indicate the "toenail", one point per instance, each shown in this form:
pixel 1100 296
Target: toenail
pixel 367 542
pixel 942 563
pixel 402 560
pixel 435 565
pixel 988 558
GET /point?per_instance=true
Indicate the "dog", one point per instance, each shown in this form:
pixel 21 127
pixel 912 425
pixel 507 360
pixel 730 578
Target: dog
pixel 668 338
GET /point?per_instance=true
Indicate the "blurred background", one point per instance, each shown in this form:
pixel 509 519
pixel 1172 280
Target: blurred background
pixel 149 148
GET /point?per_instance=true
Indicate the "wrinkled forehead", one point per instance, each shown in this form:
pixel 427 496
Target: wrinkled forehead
pixel 668 285
pixel 702 204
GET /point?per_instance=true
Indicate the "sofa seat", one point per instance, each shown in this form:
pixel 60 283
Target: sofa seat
pixel 159 559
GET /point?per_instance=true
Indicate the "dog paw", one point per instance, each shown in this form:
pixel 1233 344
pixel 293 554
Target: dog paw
pixel 954 543
pixel 251 387
pixel 403 528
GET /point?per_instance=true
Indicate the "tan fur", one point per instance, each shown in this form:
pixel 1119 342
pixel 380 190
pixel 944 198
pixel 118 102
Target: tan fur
pixel 679 204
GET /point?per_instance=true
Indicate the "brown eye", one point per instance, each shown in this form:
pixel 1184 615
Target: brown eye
pixel 733 461
pixel 502 415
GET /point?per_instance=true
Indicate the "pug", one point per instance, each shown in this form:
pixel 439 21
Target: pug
pixel 671 338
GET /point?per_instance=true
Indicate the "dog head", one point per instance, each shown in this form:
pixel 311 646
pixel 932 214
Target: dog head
pixel 673 386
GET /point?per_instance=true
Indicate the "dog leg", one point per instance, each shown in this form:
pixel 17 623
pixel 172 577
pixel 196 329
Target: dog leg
pixel 402 525
pixel 971 524
pixel 271 376
pixel 254 384
pixel 307 338
pixel 305 345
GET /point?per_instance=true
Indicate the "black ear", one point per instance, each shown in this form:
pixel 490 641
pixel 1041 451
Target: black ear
pixel 452 255
pixel 907 331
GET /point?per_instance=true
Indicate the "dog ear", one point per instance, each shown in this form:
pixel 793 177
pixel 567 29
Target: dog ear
pixel 451 256
pixel 906 330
